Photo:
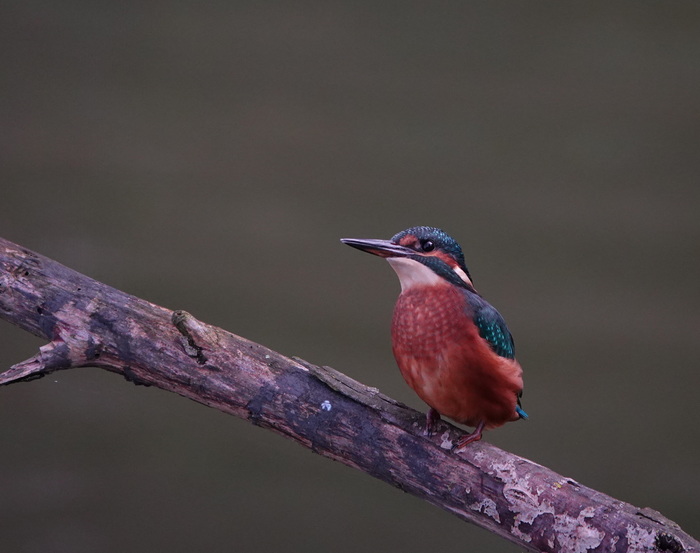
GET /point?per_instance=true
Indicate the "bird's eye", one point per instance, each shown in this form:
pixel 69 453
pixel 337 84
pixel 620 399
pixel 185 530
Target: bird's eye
pixel 427 245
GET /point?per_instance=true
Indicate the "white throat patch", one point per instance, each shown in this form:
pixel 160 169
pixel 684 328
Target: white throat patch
pixel 412 273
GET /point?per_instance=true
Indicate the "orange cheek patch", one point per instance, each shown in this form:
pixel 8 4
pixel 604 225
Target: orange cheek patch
pixel 451 263
pixel 408 241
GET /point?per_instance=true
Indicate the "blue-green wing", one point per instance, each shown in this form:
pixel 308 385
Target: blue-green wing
pixel 493 329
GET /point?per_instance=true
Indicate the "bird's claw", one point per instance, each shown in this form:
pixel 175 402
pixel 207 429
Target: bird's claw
pixel 464 441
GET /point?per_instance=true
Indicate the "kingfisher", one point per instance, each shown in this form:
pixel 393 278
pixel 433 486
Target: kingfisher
pixel 452 347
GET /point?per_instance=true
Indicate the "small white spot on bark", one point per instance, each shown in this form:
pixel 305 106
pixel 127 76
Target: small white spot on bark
pixel 446 441
pixel 326 405
pixel 479 457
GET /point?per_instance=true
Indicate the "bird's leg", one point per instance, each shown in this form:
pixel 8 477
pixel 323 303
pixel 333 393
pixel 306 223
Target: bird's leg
pixel 469 438
pixel 432 418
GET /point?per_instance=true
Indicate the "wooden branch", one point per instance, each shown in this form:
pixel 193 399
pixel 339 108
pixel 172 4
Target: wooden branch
pixel 89 323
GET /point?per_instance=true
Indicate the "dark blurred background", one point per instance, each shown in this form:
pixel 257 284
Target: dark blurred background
pixel 208 157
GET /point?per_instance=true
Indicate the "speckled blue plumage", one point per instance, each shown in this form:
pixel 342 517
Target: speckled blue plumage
pixel 492 327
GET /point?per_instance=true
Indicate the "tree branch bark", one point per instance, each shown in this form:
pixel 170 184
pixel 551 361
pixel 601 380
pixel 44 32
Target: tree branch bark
pixel 88 323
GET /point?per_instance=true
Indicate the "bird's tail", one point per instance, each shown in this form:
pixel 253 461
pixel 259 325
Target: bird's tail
pixel 522 414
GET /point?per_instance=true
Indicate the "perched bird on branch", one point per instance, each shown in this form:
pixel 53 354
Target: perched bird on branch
pixel 452 347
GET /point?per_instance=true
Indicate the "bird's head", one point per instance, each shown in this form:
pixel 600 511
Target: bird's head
pixel 420 256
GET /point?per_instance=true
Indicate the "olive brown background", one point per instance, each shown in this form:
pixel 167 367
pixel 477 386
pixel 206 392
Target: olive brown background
pixel 208 157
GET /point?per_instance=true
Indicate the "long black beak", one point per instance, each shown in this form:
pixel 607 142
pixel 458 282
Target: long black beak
pixel 382 248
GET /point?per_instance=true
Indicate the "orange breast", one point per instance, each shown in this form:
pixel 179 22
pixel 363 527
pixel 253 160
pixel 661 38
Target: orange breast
pixel 442 357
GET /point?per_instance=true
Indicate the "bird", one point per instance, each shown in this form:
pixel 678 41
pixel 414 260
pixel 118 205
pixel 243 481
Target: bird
pixel 452 347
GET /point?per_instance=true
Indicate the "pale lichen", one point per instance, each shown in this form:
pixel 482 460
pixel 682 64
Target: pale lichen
pixel 527 501
pixel 488 507
pixel 575 534
pixel 639 539
pixel 446 442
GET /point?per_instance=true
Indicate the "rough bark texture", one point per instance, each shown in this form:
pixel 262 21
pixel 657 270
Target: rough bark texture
pixel 90 324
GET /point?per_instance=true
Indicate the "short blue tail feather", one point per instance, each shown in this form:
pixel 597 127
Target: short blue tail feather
pixel 522 414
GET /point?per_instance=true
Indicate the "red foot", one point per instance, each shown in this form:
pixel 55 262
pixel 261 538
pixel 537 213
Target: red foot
pixel 432 419
pixel 469 438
